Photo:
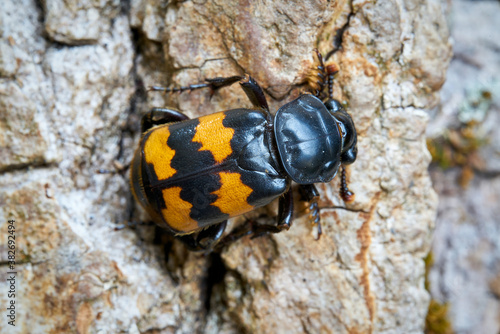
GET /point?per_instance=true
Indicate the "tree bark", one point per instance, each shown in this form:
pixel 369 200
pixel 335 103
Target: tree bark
pixel 465 277
pixel 72 90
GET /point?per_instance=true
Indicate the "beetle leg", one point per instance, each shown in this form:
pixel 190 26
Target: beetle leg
pixel 254 93
pixel 248 84
pixel 236 234
pixel 213 84
pixel 208 238
pixel 284 219
pixel 285 211
pixel 310 194
pixel 158 116
pixel 205 239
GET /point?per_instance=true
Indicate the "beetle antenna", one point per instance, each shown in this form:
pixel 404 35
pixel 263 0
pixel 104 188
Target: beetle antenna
pixel 331 70
pixel 321 76
pixel 321 71
pixel 318 77
pixel 345 193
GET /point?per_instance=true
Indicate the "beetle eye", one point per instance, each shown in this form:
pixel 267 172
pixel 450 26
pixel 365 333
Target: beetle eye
pixel 349 137
pixel 342 131
pixel 347 131
pixel 346 128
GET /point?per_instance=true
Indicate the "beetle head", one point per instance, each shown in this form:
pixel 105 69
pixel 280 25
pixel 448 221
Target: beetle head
pixel 314 138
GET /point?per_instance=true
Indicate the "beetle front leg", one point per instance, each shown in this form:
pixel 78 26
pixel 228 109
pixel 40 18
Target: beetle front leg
pixel 285 211
pixel 310 194
pixel 158 116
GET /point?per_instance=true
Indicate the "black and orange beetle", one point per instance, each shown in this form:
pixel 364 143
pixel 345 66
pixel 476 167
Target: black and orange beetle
pixel 191 175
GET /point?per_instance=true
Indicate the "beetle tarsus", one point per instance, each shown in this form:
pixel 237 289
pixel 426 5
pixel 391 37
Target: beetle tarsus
pixel 261 230
pixel 178 89
pixel 314 216
pixel 248 84
pixel 309 193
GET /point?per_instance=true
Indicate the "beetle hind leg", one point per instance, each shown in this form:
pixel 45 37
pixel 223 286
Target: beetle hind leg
pixel 159 116
pixel 252 228
pixel 205 239
pixel 213 84
pixel 248 84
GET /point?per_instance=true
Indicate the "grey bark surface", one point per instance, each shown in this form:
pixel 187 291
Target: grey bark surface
pixel 466 245
pixel 72 90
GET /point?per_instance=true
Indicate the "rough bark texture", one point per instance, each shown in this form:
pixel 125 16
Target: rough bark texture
pixel 71 95
pixel 466 246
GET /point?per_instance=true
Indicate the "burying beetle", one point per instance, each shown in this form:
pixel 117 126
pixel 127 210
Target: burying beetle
pixel 192 175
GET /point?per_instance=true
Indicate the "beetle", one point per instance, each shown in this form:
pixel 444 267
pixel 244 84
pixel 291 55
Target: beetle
pixel 192 175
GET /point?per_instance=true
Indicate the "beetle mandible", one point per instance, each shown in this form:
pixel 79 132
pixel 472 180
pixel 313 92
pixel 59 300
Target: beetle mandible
pixel 191 175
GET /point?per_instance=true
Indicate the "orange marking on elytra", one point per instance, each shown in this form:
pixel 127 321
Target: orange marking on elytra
pixel 214 136
pixel 158 153
pixel 232 195
pixel 177 212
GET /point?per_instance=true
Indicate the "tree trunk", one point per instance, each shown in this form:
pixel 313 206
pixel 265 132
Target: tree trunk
pixel 72 90
pixel 465 142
